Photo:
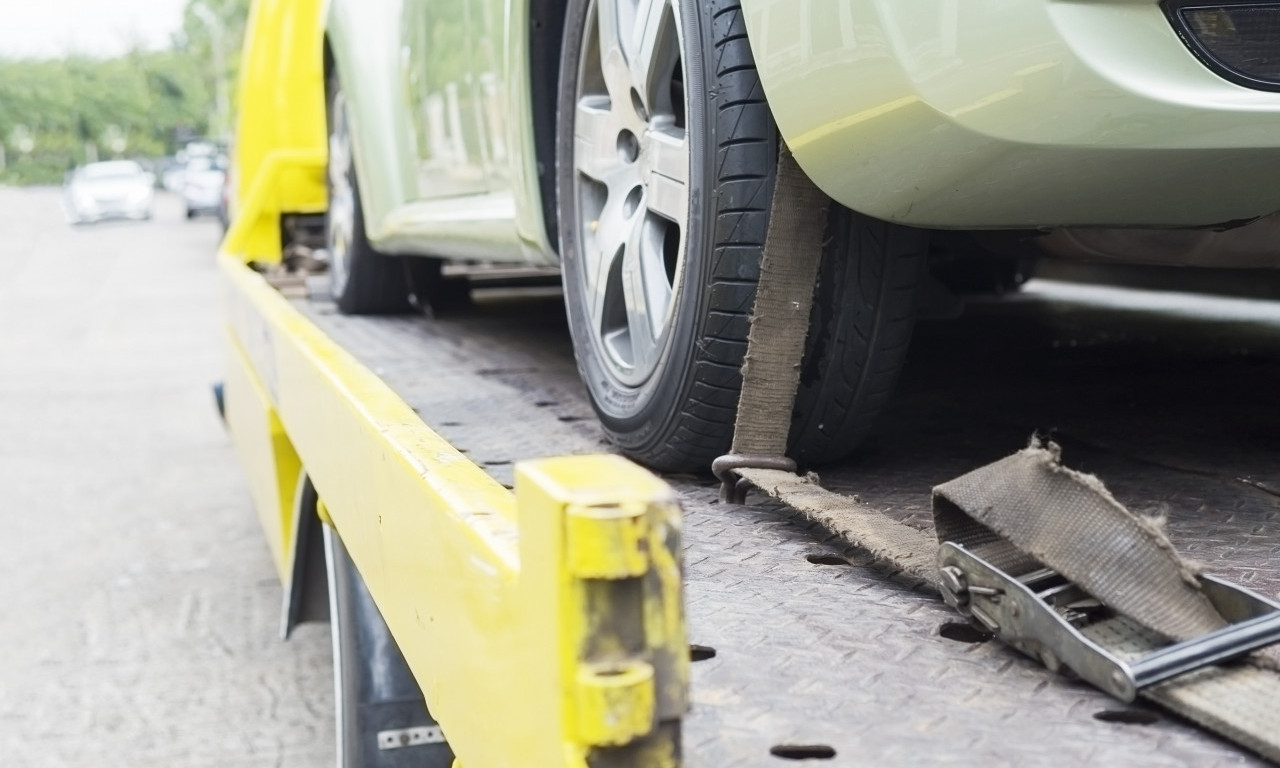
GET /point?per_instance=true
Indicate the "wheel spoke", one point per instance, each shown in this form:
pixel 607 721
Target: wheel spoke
pixel 612 231
pixel 609 27
pixel 650 52
pixel 645 292
pixel 657 285
pixel 668 192
pixel 594 137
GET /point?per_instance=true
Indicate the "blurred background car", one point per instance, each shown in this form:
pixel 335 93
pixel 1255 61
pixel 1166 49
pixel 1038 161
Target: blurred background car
pixel 202 185
pixel 115 189
pixel 172 175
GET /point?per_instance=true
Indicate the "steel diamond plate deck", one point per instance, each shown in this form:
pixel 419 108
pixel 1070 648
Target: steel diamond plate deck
pixel 1173 413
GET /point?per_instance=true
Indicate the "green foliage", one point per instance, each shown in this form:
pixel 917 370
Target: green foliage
pixel 141 104
pixel 212 33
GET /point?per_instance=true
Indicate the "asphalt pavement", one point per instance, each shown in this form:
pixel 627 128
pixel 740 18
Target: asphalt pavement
pixel 140 607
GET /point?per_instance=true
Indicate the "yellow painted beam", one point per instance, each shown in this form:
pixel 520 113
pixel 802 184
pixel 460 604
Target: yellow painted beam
pixel 544 625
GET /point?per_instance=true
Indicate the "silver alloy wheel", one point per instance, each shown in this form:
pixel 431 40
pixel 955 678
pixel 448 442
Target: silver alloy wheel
pixel 631 168
pixel 342 198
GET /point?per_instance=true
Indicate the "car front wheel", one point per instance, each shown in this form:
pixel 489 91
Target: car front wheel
pixel 666 159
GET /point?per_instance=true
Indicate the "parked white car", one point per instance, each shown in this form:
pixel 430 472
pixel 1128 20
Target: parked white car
pixel 202 185
pixel 116 189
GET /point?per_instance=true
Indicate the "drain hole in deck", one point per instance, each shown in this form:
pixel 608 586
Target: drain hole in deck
pixel 545 403
pixel 802 751
pixel 701 652
pixel 569 419
pixel 827 558
pixel 450 423
pixel 1126 716
pixel 497 463
pixel 963 633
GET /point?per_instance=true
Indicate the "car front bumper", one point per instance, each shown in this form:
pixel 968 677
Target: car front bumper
pixel 101 210
pixel 1014 113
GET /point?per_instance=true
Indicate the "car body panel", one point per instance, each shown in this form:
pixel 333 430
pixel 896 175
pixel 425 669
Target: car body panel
pixel 441 127
pixel 364 40
pixel 1013 113
pixel 987 114
pixel 444 115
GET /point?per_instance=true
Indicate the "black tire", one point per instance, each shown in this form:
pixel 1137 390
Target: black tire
pixel 430 291
pixel 681 417
pixel 363 281
pixel 864 310
pixel 374 691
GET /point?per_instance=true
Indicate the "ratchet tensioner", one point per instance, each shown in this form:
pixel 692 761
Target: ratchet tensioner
pixel 1051 619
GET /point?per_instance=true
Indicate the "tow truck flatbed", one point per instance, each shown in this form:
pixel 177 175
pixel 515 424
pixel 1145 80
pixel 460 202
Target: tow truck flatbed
pixel 813 651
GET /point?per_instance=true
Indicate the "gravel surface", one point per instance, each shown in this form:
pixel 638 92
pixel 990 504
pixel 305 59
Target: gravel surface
pixel 141 609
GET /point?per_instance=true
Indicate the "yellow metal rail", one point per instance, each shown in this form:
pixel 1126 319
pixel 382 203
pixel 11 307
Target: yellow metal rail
pixel 544 625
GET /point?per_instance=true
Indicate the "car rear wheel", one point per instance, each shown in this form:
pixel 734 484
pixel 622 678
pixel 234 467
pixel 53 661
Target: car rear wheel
pixel 667 154
pixel 363 281
pixel 864 310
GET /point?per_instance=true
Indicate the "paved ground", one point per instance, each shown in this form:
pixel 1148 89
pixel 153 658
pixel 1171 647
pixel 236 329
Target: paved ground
pixel 140 609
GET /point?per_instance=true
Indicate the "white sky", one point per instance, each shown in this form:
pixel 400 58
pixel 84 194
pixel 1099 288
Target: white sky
pixel 54 28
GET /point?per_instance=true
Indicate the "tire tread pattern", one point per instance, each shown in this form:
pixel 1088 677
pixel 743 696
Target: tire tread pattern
pixel 857 345
pixel 745 151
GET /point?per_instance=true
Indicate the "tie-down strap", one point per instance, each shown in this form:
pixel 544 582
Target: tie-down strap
pixel 1098 587
pixel 1029 508
pixel 1028 518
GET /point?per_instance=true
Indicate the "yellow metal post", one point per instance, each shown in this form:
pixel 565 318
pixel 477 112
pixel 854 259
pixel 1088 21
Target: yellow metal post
pixel 281 146
pixel 601 541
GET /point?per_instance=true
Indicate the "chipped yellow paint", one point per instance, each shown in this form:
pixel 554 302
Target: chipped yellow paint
pixel 608 542
pixel 614 703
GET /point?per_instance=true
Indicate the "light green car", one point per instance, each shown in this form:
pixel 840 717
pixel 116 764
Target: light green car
pixel 634 143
